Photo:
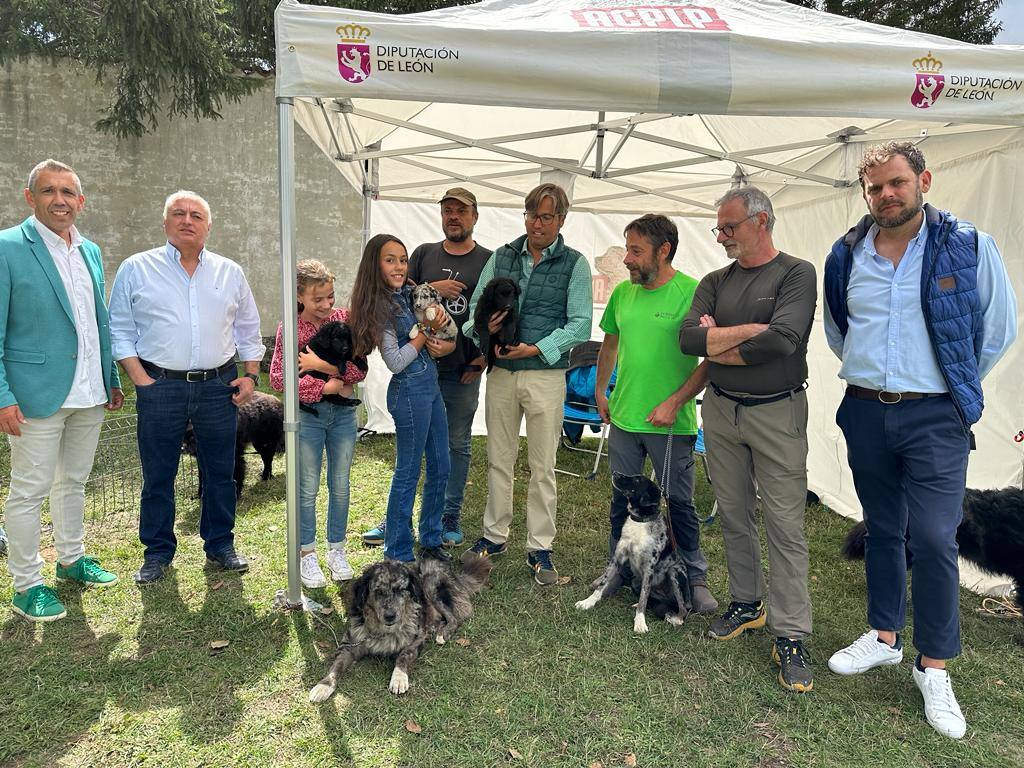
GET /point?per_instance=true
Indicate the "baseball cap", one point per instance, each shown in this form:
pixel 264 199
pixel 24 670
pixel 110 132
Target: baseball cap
pixel 461 194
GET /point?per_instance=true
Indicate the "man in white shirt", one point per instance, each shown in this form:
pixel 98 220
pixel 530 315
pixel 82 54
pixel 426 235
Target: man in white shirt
pixel 178 313
pixel 56 377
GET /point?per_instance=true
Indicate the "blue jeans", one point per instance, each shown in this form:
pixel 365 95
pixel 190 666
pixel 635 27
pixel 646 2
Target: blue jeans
pixel 909 464
pixel 164 409
pixel 334 427
pixel 421 428
pixel 460 403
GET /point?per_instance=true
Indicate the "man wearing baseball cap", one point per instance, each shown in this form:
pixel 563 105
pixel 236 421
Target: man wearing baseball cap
pixel 453 267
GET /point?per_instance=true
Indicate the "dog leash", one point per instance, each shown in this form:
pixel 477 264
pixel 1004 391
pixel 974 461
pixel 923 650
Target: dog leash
pixel 666 477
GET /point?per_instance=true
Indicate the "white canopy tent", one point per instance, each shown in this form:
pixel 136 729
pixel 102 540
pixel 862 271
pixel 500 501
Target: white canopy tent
pixel 641 106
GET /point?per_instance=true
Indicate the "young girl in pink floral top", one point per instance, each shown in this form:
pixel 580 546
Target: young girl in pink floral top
pixel 321 424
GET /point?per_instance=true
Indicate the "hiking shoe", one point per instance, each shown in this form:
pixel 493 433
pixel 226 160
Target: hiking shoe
pixel 703 602
pixel 86 570
pixel 864 653
pixel 940 707
pixel 484 547
pixel 544 572
pixel 338 565
pixel 39 603
pixel 310 573
pixel 738 618
pixel 375 536
pixel 794 665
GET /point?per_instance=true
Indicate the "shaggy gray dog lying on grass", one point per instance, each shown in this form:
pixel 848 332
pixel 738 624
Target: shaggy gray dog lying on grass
pixel 393 608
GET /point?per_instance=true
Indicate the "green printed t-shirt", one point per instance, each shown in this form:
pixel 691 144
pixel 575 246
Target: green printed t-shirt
pixel 650 365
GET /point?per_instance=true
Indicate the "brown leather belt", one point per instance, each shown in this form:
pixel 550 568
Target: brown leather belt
pixel 889 398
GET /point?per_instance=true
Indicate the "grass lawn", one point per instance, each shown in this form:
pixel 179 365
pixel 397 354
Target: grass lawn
pixel 129 679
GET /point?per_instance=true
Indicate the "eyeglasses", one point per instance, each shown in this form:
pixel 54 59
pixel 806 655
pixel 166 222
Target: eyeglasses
pixel 729 229
pixel 545 218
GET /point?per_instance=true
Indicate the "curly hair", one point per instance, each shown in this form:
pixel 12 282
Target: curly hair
pixel 883 153
pixel 371 306
pixel 309 273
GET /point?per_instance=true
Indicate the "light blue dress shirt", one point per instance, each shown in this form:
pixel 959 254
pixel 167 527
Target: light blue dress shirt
pixel 887 346
pixel 160 314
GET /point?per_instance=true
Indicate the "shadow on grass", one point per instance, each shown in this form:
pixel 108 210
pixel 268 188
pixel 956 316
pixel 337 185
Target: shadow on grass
pixel 173 669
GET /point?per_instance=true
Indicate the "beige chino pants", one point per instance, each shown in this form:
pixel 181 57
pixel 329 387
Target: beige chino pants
pixel 538 395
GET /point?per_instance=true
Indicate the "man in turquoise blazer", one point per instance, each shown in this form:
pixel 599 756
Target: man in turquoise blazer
pixel 56 378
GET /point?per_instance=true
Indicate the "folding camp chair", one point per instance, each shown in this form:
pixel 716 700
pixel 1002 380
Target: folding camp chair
pixel 579 410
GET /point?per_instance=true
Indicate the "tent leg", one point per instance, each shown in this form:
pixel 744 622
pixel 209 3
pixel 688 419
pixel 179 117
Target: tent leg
pixel 291 597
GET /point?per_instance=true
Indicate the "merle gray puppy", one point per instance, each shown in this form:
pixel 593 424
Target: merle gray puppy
pixel 644 546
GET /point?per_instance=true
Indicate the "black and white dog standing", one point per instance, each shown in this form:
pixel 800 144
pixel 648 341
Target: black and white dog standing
pixel 645 548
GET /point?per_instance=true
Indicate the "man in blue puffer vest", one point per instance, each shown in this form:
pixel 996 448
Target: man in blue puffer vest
pixel 920 308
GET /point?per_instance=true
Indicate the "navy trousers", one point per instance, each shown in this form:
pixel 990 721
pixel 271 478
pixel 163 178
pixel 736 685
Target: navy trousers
pixel 164 409
pixel 909 463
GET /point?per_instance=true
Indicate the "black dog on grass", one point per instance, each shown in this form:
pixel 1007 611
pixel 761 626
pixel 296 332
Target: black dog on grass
pixel 332 343
pixel 501 293
pixel 260 423
pixel 644 546
pixel 991 535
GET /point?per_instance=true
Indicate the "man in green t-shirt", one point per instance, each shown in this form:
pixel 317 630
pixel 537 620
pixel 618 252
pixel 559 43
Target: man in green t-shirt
pixel 651 410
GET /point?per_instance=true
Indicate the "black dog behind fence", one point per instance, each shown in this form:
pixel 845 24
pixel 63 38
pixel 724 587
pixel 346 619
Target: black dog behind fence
pixel 114 487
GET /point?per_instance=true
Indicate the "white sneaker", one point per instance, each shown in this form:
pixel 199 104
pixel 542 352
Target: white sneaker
pixel 864 653
pixel 309 570
pixel 940 707
pixel 340 569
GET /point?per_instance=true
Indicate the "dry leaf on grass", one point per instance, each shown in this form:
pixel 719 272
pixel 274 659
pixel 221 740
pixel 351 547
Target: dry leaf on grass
pixel 327 610
pixel 630 760
pixel 1000 682
pixel 217 585
pixel 324 645
pixel 595 764
pixel 272 528
pixel 514 754
pixel 563 580
pixel 216 646
pixel 894 710
pixel 463 641
pixel 413 727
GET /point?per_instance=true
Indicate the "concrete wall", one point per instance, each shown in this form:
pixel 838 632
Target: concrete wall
pixel 49 111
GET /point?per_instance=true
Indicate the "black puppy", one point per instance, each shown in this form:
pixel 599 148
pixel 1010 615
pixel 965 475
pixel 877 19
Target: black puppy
pixel 261 423
pixel 501 293
pixel 332 343
pixel 644 546
pixel 990 535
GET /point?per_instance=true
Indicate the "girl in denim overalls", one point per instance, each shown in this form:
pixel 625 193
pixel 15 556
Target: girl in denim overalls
pixel 382 317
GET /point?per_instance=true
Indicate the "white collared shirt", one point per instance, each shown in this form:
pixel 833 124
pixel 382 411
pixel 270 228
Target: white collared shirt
pixel 185 323
pixel 87 389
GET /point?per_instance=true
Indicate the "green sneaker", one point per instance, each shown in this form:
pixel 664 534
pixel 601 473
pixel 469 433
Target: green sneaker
pixel 39 603
pixel 86 570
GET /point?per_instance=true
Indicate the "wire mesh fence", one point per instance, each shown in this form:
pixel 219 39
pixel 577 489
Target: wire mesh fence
pixel 114 487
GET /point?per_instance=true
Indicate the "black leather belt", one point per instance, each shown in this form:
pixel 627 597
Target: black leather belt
pixel 889 398
pixel 157 372
pixel 750 401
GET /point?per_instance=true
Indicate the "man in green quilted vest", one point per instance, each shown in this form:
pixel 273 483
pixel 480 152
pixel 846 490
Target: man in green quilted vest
pixel 555 314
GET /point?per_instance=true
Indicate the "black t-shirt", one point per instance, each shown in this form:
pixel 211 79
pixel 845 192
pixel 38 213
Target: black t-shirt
pixel 429 263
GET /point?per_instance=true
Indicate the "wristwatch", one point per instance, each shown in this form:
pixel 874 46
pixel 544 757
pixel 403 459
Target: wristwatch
pixel 255 378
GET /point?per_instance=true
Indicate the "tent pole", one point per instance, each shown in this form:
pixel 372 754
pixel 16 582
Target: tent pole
pixel 292 598
pixel 371 188
pixel 599 147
